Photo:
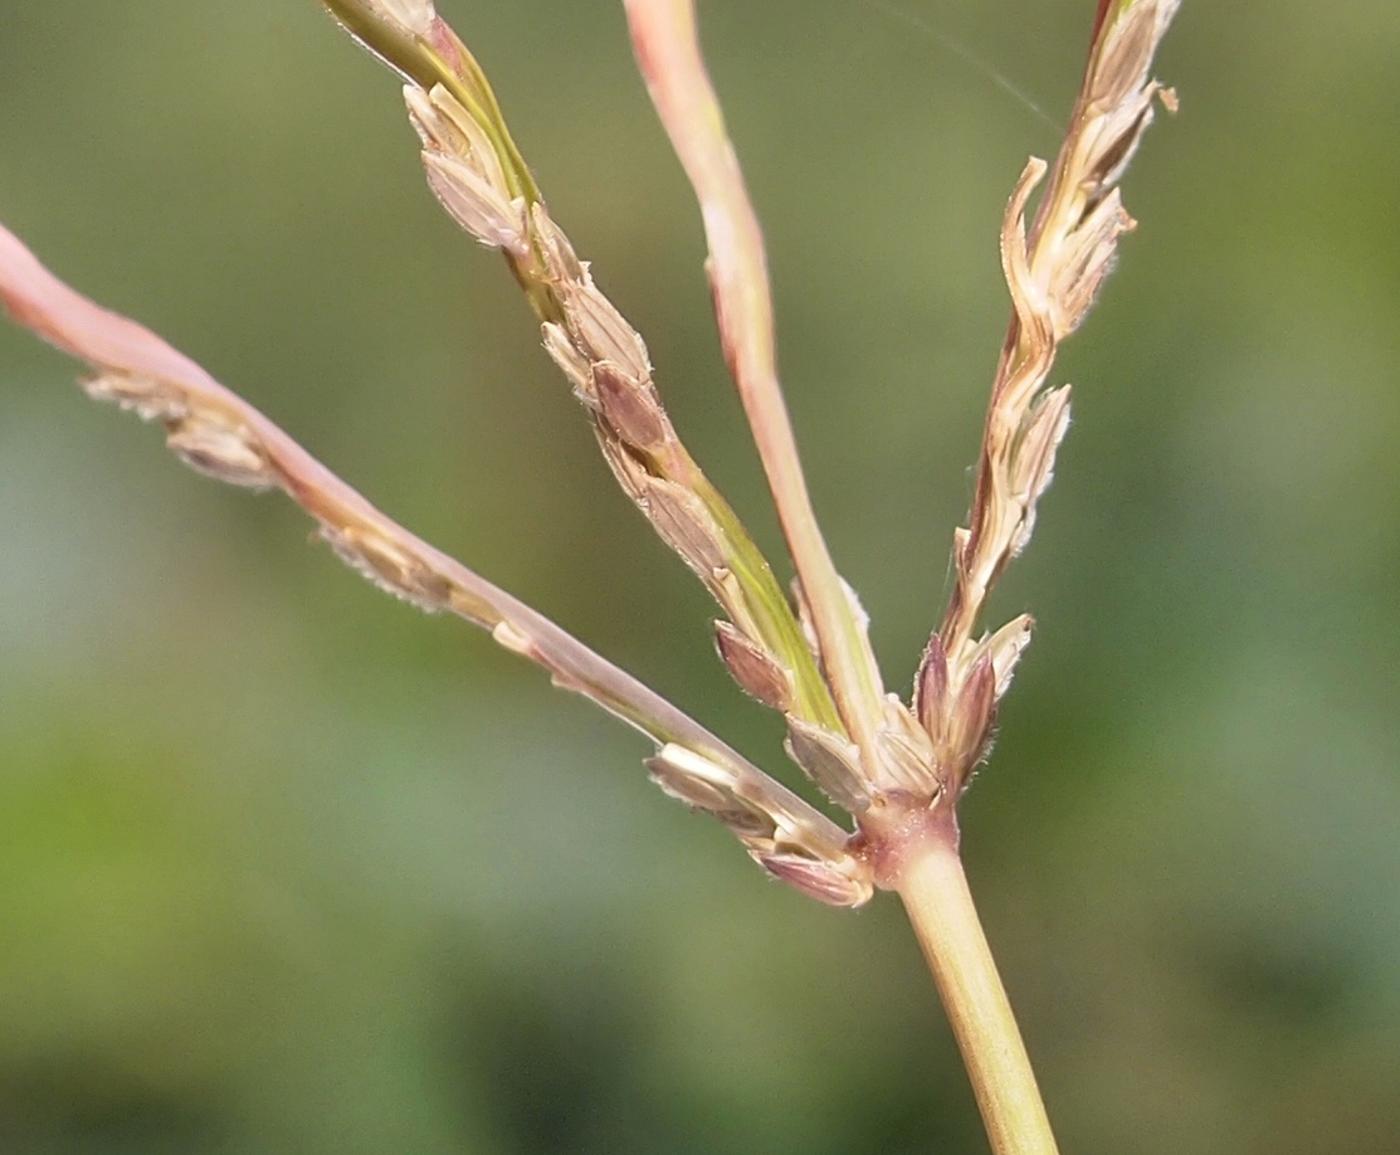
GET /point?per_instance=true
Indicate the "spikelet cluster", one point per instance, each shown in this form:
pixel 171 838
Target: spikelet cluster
pixel 1054 269
pixel 882 761
pixel 222 436
pixel 605 361
pixel 914 754
pixel 210 436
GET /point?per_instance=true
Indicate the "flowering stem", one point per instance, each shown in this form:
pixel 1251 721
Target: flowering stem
pixel 668 53
pixel 935 893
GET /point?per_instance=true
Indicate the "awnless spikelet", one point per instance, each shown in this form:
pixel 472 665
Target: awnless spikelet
pixel 897 768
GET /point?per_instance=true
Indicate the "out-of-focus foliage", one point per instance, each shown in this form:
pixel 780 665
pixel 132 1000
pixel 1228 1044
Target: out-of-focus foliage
pixel 284 866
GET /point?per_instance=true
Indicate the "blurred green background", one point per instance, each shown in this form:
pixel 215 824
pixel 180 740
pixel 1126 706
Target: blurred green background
pixel 286 867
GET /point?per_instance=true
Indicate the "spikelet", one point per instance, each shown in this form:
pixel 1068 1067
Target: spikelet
pixel 777 838
pixel 831 761
pixel 203 436
pixel 389 566
pixel 217 448
pixel 756 671
pixel 488 214
pixel 148 398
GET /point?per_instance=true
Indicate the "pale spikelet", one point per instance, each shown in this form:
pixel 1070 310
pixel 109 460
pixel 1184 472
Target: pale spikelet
pixel 831 883
pixel 596 330
pixel 148 398
pixel 465 172
pixel 682 518
pixel 230 453
pixel 478 207
pixel 1087 258
pixel 758 673
pixel 907 756
pixel 1083 216
pixel 445 126
pixel 705 785
pixel 600 332
pixel 574 365
pixel 390 567
pixel 1031 468
pixel 1005 648
pixel 779 841
pixel 1127 43
pixel 413 16
pixel 831 761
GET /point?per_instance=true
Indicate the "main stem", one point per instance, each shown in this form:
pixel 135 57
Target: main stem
pixel 935 893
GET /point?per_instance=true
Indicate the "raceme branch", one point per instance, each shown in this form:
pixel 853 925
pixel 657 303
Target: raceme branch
pixel 477 173
pixel 217 433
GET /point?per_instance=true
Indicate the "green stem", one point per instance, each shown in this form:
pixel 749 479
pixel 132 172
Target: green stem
pixel 935 893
